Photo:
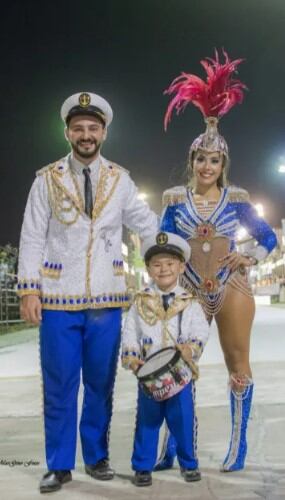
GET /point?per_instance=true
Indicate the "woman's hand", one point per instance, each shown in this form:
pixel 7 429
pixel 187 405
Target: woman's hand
pixel 234 260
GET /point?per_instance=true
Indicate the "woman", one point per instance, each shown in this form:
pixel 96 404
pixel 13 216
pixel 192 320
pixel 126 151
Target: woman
pixel 207 212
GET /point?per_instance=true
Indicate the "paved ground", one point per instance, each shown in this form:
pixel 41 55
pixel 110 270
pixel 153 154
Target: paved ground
pixel 21 439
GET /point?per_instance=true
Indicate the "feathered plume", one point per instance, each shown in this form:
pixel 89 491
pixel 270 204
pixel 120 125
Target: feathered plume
pixel 214 97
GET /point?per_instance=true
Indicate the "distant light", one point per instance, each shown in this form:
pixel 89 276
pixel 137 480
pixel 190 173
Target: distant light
pixel 242 234
pixel 260 209
pixel 281 169
pixel 142 196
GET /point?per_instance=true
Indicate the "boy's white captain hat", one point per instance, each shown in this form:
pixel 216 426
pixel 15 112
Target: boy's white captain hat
pixel 168 243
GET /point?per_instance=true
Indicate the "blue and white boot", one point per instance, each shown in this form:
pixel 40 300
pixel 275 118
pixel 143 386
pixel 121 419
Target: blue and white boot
pixel 240 411
pixel 168 452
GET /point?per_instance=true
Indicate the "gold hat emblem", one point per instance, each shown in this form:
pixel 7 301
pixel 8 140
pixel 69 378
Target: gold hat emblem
pixel 84 100
pixel 161 239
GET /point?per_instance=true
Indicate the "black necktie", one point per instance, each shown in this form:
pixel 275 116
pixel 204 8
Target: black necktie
pixel 88 192
pixel 165 300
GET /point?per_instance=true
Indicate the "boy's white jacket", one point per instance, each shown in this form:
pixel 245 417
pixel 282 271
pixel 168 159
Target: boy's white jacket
pixel 146 325
pixel 71 261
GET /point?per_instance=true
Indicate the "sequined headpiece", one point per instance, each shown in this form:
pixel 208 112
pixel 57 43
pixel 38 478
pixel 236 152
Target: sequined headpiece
pixel 213 97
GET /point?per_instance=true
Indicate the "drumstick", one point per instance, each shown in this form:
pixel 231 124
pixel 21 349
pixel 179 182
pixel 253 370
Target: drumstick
pixel 173 339
pixel 192 364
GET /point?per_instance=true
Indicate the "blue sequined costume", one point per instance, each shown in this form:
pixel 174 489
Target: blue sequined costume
pixel 215 234
pixel 210 238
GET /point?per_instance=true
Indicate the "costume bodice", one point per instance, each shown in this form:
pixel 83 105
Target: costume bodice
pixel 212 236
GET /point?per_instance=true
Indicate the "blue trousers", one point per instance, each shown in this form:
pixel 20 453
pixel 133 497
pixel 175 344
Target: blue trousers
pixel 179 413
pixel 70 342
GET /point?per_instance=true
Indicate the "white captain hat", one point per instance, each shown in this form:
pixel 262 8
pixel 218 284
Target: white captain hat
pixel 86 103
pixel 168 243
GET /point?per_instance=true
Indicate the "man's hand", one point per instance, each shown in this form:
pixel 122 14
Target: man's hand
pixel 31 309
pixel 186 352
pixel 135 364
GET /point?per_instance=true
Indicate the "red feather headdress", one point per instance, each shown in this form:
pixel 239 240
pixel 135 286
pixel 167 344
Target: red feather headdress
pixel 214 97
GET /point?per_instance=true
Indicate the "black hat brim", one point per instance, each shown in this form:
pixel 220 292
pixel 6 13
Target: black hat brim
pixel 89 110
pixel 167 249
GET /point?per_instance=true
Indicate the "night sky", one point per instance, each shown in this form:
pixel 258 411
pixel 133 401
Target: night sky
pixel 129 52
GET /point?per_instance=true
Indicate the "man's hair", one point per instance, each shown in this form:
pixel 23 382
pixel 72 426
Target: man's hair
pixel 85 113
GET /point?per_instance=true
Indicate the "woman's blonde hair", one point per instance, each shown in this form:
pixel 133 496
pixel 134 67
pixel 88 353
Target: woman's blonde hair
pixel 222 181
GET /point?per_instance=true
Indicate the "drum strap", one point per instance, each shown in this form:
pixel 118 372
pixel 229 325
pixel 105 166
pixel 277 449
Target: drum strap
pixel 192 364
pixel 180 314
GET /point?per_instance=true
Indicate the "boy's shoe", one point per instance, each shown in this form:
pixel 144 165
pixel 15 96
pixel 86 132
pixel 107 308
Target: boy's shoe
pixel 143 478
pixel 101 470
pixel 191 475
pixel 53 480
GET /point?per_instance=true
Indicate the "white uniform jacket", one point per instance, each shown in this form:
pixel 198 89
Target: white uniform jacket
pixel 71 261
pixel 149 328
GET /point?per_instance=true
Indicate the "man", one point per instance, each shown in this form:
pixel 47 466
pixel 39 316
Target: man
pixel 71 281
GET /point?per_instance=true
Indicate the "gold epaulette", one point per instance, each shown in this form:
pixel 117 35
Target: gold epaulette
pixel 143 292
pixel 174 196
pixel 45 169
pixel 238 194
pixel 119 167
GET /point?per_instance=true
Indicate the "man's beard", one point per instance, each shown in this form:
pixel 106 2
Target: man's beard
pixel 83 153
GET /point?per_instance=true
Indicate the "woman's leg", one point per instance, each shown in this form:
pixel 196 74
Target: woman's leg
pixel 234 323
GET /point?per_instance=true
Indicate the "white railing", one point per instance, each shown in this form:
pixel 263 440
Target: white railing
pixel 9 301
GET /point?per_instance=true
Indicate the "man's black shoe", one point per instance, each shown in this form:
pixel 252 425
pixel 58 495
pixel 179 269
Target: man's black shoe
pixel 191 475
pixel 101 470
pixel 53 479
pixel 143 478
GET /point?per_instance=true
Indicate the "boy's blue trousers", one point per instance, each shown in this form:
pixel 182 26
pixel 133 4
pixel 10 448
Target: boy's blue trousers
pixel 71 341
pixel 179 413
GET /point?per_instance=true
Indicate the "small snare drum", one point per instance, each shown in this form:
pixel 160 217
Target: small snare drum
pixel 164 374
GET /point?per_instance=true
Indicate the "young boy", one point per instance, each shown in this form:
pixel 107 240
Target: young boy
pixel 165 304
